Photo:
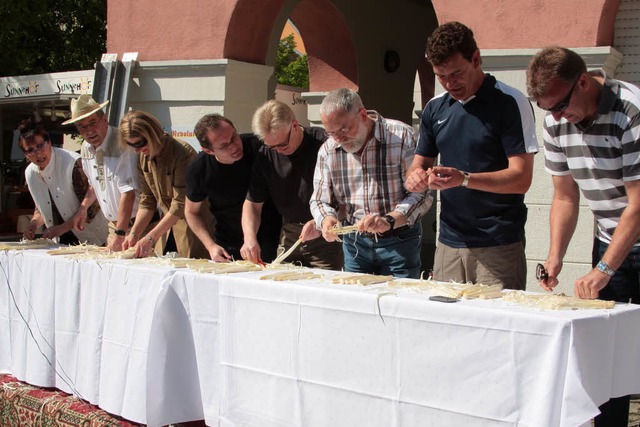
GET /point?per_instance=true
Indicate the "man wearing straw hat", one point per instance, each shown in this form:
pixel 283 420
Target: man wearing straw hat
pixel 112 173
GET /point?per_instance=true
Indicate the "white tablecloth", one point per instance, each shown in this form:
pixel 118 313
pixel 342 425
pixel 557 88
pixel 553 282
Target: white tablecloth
pixel 120 336
pixel 300 355
pixel 158 345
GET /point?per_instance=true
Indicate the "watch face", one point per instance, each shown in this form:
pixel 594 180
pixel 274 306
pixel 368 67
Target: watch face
pixel 603 267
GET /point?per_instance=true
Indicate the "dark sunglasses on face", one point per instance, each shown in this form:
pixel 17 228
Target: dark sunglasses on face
pixel 562 105
pixel 140 144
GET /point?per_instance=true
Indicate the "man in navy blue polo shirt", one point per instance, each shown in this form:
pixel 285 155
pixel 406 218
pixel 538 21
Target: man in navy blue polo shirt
pixel 484 133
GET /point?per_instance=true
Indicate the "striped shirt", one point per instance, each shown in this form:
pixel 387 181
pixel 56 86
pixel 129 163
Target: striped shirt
pixel 371 182
pixel 600 156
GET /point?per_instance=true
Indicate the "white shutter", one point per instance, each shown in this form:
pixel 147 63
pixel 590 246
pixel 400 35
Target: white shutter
pixel 626 39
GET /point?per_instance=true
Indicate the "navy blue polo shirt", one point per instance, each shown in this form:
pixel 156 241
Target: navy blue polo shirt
pixel 478 135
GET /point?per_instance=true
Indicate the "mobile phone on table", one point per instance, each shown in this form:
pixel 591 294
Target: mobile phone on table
pixel 441 298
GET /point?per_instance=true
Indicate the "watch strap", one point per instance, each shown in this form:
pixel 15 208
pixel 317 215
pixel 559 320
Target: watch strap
pixel 603 267
pixel 391 220
pixel 465 179
pixel 120 232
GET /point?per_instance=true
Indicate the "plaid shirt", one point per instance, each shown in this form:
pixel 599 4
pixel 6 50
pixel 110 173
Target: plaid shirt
pixel 371 182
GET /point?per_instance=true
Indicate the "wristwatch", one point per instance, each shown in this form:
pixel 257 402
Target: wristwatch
pixel 602 266
pixel 465 178
pixel 391 220
pixel 120 232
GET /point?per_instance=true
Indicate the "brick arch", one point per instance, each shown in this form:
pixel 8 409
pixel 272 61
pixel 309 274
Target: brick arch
pixel 250 30
pixel 254 30
pixel 607 23
pixel 330 49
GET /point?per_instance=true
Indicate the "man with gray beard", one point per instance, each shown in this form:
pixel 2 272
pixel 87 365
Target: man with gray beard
pixel 362 167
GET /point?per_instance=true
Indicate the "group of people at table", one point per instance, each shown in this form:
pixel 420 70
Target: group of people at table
pixel 135 186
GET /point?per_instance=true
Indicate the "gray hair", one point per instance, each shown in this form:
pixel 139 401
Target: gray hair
pixel 341 100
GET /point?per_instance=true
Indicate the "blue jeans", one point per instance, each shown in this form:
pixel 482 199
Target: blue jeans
pixel 395 255
pixel 623 286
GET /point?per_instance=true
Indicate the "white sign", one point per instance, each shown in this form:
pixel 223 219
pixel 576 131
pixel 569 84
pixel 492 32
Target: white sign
pixel 70 83
pixel 109 57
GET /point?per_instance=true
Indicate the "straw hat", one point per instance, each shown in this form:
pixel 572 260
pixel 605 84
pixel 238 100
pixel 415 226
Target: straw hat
pixel 83 107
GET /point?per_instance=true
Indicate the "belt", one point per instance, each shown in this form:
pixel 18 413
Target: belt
pixel 389 233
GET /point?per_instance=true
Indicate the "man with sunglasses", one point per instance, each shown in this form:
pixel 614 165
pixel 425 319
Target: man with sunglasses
pixel 283 171
pixel 484 133
pixel 592 145
pixel 219 176
pixel 112 172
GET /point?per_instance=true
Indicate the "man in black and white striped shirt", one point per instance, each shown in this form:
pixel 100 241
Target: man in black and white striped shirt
pixel 592 145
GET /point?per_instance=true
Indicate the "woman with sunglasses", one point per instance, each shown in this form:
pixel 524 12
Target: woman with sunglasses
pixel 162 168
pixel 57 185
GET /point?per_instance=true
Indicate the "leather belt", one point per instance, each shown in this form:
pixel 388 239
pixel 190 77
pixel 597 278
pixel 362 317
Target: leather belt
pixel 389 233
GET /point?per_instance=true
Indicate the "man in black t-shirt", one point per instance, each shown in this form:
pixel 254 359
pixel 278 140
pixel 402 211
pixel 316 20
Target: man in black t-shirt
pixel 283 171
pixel 220 174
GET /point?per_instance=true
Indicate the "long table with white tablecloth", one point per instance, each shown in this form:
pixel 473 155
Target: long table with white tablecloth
pixel 160 345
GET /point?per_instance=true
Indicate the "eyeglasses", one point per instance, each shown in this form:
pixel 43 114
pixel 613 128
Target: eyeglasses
pixel 284 144
pixel 541 273
pixel 90 125
pixel 340 132
pixel 140 144
pixel 344 130
pixel 36 148
pixel 562 105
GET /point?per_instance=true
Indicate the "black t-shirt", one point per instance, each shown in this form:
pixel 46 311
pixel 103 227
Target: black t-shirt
pixel 226 188
pixel 288 180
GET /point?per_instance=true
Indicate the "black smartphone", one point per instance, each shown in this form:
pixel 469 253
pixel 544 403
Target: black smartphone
pixel 441 298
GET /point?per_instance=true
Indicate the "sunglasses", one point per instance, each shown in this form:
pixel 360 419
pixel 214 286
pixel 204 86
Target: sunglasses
pixel 541 273
pixel 140 144
pixel 562 105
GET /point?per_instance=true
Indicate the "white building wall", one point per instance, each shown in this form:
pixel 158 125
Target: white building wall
pixel 179 93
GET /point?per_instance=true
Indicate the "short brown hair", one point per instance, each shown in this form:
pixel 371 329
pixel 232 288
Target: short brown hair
pixel 28 129
pixel 209 122
pixel 551 63
pixel 449 39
